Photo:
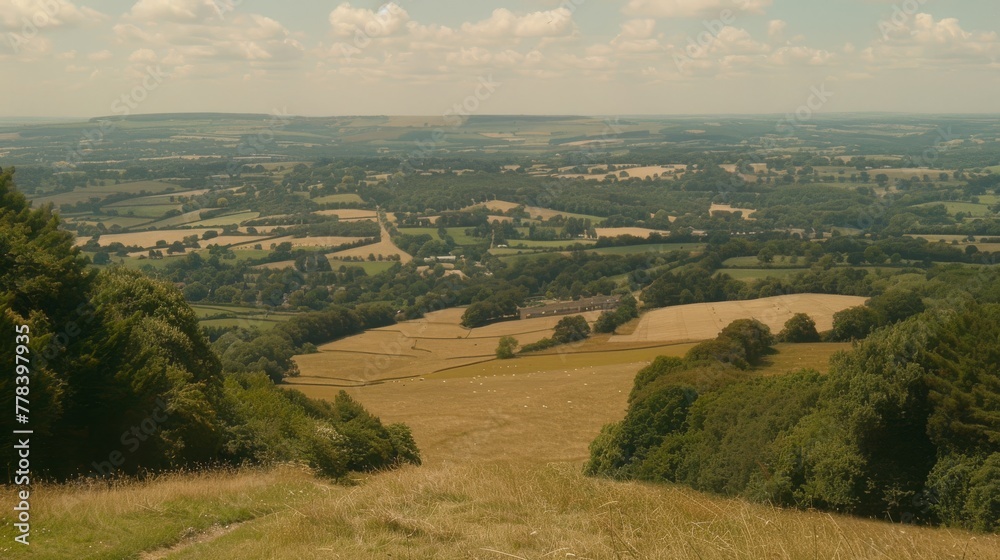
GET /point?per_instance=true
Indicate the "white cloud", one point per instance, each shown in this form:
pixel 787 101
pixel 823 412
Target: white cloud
pixel 238 36
pixel 142 56
pixel 180 11
pixel 347 21
pixel 693 8
pixel 638 28
pixel 504 23
pixel 924 41
pixel 19 14
pixel 776 28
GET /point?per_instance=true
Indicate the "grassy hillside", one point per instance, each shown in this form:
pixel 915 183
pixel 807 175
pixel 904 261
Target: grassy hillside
pixel 502 479
pixel 486 510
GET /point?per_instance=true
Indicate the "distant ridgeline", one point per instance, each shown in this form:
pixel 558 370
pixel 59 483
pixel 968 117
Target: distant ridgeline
pixel 906 426
pixel 122 380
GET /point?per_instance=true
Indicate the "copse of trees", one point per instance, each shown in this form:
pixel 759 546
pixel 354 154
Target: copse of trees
pixel 608 321
pixel 742 344
pixel 800 328
pixel 899 428
pixel 568 330
pixel 894 305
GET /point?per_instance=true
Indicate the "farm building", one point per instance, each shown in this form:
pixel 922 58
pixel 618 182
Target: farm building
pixel 602 303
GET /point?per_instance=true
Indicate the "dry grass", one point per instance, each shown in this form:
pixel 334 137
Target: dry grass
pixel 650 170
pixel 349 214
pixel 422 347
pixel 501 481
pixel 636 231
pixel 148 239
pixel 535 212
pixel 240 241
pixel 747 213
pixel 319 241
pixel 702 321
pixel 385 247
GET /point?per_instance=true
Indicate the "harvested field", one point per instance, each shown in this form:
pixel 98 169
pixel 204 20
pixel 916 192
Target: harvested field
pixel 747 212
pixel 186 218
pixel 415 348
pixel 151 211
pixel 339 199
pixel 702 321
pixel 229 219
pixel 636 231
pixel 650 170
pixel 321 241
pixel 501 206
pixel 385 247
pixel 258 229
pixel 229 240
pixel 147 239
pixel 539 407
pixel 347 214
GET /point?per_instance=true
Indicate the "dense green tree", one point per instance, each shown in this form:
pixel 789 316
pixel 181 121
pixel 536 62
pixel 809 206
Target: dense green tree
pixel 506 347
pixel 571 329
pixel 854 323
pixel 800 328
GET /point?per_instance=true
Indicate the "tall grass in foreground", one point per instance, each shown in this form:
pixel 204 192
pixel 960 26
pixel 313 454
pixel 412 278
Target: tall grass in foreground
pixel 485 511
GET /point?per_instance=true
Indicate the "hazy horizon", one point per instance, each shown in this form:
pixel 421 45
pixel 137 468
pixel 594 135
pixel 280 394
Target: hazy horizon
pixel 569 57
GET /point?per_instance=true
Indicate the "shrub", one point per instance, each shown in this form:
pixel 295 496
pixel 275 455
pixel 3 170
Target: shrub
pixel 854 323
pixel 571 329
pixel 800 328
pixel 506 348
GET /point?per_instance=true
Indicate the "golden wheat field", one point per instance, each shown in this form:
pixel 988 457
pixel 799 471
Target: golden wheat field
pixel 701 321
pixel 318 241
pixel 535 212
pixel 385 248
pixel 648 171
pixel 148 239
pixel 747 213
pixel 416 348
pixel 636 231
pixel 349 214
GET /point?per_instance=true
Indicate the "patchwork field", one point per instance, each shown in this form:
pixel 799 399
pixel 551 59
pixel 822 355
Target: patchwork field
pixel 636 231
pixel 151 211
pixel 318 241
pixel 108 221
pixel 385 247
pixel 650 248
pixel 754 274
pixel 536 212
pixel 78 195
pixel 348 214
pixel 147 239
pixel 235 241
pixel 432 344
pixel 182 219
pixel 968 208
pixel 227 220
pixel 747 213
pixel 339 199
pixel 702 321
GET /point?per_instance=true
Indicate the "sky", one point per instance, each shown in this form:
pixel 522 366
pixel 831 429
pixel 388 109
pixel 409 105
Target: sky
pixel 86 58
